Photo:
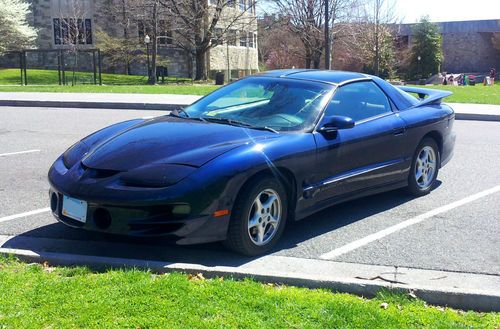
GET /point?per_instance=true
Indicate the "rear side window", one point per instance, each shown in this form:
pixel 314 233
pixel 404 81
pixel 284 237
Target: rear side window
pixel 359 101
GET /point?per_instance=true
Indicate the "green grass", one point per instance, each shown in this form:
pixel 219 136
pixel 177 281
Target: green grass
pixel 477 94
pixel 35 296
pixel 47 81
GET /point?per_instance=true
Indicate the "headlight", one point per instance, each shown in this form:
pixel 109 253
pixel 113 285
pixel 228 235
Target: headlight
pixel 74 154
pixel 157 175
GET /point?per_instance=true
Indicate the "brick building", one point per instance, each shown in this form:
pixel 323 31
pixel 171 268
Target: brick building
pixel 54 19
pixel 468 46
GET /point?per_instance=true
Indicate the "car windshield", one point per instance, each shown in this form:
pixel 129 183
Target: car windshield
pixel 261 102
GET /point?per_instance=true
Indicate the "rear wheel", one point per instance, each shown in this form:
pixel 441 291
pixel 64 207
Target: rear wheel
pixel 425 167
pixel 258 217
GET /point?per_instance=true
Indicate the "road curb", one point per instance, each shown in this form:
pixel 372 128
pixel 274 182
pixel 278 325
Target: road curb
pixel 472 299
pixel 477 117
pixel 459 115
pixel 91 105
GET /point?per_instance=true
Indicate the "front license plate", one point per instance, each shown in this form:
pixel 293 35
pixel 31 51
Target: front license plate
pixel 74 208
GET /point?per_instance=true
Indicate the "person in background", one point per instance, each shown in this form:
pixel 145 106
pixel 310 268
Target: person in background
pixel 493 74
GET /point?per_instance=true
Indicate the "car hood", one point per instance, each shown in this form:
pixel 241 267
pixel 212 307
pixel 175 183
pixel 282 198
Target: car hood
pixel 169 140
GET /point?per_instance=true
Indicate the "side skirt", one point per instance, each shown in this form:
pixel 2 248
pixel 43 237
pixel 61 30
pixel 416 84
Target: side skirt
pixel 347 197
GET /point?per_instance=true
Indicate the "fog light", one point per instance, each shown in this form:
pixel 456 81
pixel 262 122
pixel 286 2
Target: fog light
pixel 181 210
pixel 53 202
pixel 102 218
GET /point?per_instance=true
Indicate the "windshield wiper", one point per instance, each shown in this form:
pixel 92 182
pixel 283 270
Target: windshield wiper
pixel 238 123
pixel 175 113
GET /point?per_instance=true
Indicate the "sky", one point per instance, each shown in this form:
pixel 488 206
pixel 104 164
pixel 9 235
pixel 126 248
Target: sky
pixel 410 11
pixel 447 10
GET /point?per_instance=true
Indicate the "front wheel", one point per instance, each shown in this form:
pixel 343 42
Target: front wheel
pixel 425 168
pixel 258 217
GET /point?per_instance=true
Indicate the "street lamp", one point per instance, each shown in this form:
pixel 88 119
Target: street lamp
pixel 419 70
pixel 147 41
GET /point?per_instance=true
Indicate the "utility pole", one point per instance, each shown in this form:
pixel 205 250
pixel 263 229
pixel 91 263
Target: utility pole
pixel 152 77
pixel 328 44
pixel 377 46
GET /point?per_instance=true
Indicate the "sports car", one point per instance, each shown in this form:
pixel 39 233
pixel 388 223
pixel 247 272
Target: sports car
pixel 241 162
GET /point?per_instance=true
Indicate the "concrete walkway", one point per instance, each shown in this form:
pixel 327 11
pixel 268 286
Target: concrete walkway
pixel 169 102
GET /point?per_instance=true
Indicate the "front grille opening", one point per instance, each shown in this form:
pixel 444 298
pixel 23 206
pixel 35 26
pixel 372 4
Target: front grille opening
pixel 102 218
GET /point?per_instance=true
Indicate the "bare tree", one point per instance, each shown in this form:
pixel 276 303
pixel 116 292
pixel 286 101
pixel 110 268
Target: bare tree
pixel 306 19
pixel 202 25
pixel 73 29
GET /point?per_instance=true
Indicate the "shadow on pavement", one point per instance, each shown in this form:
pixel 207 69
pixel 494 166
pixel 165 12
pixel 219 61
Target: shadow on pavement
pixel 62 239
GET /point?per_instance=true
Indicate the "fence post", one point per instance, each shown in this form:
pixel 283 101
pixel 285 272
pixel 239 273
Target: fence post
pixel 25 65
pixel 21 67
pixel 100 66
pixel 94 64
pixel 59 67
pixel 63 69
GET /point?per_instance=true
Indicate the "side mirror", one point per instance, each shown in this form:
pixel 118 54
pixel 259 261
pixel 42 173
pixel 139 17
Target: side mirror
pixel 334 123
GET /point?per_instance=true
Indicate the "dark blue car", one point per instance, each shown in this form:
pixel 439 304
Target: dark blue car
pixel 239 163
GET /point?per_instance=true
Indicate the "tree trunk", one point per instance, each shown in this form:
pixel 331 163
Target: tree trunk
pixel 200 66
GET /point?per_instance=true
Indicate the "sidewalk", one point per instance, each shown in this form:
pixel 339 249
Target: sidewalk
pixel 168 102
pixel 97 100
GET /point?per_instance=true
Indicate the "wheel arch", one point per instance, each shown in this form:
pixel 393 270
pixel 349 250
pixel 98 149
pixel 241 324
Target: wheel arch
pixel 438 138
pixel 286 177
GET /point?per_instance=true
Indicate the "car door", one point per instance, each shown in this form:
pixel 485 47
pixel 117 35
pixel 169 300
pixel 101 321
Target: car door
pixel 368 155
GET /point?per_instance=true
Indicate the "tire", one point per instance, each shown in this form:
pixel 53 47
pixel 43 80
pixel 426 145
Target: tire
pixel 424 168
pixel 244 238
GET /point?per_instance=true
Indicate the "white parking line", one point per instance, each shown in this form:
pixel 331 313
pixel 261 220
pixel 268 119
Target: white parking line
pixel 412 221
pixel 24 214
pixel 16 153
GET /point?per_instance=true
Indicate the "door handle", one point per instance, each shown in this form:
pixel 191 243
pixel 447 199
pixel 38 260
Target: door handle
pixel 399 131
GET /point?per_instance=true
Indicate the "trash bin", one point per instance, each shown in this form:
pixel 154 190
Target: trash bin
pixel 161 71
pixel 219 78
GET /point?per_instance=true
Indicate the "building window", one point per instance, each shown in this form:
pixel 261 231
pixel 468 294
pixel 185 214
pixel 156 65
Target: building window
pixel 250 40
pixel 251 6
pixel 165 36
pixel 243 5
pixel 217 38
pixel 243 39
pixel 231 38
pixel 254 40
pixel 72 31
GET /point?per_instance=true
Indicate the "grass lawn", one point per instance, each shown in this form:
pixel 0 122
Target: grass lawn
pixel 477 94
pixel 47 81
pixel 35 296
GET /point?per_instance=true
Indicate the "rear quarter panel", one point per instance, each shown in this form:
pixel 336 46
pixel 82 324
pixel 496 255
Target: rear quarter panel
pixel 436 120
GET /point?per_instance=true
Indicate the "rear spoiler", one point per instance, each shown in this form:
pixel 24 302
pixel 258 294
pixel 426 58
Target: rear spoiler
pixel 426 96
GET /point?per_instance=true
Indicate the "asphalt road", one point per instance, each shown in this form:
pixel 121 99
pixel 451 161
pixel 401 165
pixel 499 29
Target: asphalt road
pixel 463 239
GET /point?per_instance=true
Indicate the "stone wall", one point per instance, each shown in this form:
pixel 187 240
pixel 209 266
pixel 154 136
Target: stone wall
pixel 469 52
pixel 240 58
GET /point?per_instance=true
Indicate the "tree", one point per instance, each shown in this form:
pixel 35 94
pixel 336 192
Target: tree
pixel 15 32
pixel 120 50
pixel 203 25
pixel 426 53
pixel 306 19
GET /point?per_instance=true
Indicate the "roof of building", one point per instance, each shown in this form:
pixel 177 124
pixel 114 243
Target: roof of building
pixel 317 75
pixel 488 25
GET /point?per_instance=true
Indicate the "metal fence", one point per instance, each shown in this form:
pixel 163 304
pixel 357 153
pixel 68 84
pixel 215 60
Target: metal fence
pixel 55 66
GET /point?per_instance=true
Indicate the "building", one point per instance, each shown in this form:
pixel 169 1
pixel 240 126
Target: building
pixel 468 46
pixel 65 23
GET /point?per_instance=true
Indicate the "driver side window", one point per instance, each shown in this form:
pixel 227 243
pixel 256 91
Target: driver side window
pixel 359 101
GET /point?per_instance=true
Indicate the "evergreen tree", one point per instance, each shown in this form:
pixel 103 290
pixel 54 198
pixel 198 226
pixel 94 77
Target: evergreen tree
pixel 426 46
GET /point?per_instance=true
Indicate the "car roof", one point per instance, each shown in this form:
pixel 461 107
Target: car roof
pixel 335 77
